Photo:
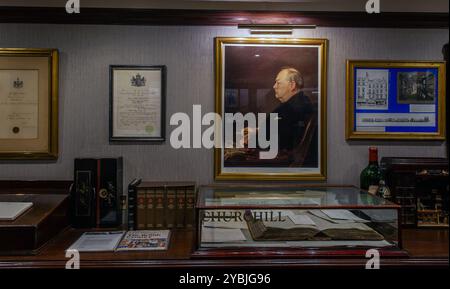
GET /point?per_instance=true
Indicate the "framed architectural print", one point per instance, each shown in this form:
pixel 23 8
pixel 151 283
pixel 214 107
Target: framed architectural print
pixel 137 103
pixel 28 103
pixel 395 100
pixel 271 97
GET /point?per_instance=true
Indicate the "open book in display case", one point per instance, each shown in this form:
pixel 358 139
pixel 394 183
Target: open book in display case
pixel 294 221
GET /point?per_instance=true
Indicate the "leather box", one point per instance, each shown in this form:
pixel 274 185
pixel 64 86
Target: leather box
pixel 97 193
pixel 30 231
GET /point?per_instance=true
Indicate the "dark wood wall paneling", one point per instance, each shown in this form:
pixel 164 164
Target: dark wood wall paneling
pixel 224 18
pixel 35 187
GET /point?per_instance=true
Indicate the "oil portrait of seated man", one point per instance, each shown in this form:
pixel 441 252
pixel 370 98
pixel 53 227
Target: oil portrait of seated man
pixel 295 118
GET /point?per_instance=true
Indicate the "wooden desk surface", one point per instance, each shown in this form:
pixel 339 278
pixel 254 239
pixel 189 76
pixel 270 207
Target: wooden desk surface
pixel 426 248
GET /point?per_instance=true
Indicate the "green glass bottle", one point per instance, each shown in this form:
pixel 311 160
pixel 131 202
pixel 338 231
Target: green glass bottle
pixel 371 175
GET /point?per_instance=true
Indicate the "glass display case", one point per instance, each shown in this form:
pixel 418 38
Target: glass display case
pixel 293 220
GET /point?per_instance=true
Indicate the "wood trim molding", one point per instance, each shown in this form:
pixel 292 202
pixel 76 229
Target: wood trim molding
pixel 286 264
pixel 116 16
pixel 35 187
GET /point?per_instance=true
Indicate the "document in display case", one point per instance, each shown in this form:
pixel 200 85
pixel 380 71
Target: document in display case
pixel 295 221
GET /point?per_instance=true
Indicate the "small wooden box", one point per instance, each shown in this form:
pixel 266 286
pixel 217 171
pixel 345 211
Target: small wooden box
pixel 420 186
pixel 31 230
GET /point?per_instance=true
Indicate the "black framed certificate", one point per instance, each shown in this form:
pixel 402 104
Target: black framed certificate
pixel 137 103
pixel 395 100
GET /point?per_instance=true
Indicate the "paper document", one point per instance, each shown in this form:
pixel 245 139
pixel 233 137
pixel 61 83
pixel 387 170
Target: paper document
pixel 9 211
pixel 320 214
pixel 298 217
pixel 302 220
pixel 226 225
pixel 218 235
pixel 97 241
pixel 342 215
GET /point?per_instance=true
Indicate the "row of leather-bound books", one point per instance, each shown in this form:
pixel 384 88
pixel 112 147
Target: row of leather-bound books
pixel 164 205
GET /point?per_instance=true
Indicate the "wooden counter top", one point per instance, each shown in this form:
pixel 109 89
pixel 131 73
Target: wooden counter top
pixel 427 248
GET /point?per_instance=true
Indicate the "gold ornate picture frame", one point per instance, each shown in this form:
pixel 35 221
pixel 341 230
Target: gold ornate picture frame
pixel 28 103
pixel 246 70
pixel 401 100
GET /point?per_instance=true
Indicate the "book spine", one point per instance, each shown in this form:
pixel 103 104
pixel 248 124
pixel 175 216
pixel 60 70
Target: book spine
pixel 150 195
pixel 123 211
pixel 181 205
pixel 171 208
pixel 131 207
pixel 141 209
pixel 132 204
pixel 97 194
pixel 190 207
pixel 121 215
pixel 159 208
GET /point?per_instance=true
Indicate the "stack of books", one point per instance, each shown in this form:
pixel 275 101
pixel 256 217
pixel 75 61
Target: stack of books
pixel 161 205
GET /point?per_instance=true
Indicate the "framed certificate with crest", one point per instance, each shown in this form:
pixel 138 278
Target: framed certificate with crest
pixel 28 103
pixel 137 103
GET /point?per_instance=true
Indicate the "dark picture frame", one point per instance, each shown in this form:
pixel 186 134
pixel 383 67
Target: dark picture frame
pixel 137 106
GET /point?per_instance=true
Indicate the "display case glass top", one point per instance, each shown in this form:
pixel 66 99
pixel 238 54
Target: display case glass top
pixel 288 197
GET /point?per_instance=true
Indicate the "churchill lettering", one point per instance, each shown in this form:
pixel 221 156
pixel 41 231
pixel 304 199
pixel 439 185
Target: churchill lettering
pixel 238 216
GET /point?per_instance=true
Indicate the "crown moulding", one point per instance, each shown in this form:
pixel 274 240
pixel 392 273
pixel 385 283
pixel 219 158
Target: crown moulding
pixel 119 16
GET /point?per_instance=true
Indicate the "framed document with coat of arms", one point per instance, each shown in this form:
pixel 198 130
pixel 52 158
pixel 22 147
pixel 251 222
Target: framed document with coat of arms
pixel 137 103
pixel 28 103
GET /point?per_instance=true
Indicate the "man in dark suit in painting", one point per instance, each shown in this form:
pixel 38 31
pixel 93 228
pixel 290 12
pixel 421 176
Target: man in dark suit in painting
pixel 294 110
pixel 295 113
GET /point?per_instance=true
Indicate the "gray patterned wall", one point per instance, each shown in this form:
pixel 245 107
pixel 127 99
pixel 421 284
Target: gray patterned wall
pixel 87 51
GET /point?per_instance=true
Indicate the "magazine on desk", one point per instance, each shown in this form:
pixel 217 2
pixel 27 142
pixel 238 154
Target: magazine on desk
pixel 145 240
pixel 142 240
